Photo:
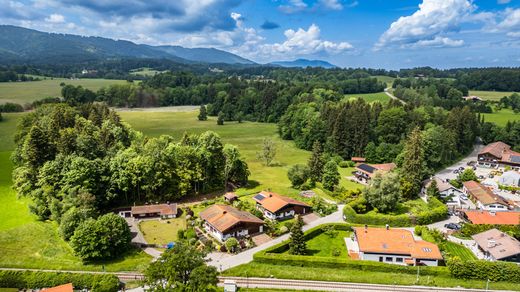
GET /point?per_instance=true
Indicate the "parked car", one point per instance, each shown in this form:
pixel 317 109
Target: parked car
pixel 461 168
pixel 456 171
pixel 480 177
pixel 491 175
pixel 452 226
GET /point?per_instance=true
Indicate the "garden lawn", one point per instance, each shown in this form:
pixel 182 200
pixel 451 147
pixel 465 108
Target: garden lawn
pixel 490 95
pixel 324 246
pixel 255 269
pixel 347 183
pixel 455 249
pixel 501 117
pixel 26 92
pixel 162 232
pixel 370 97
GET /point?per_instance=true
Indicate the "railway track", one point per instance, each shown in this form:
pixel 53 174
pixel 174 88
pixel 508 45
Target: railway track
pixel 333 286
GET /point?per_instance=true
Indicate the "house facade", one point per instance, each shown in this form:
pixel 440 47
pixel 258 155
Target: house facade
pixel 498 246
pixel 364 172
pixel 446 191
pixel 277 207
pixel 163 211
pixel 223 222
pixel 499 153
pixel 393 246
pixel 484 198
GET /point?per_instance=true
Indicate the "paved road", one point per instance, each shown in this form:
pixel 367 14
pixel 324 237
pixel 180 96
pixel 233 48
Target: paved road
pixel 447 173
pixel 224 261
pixel 270 283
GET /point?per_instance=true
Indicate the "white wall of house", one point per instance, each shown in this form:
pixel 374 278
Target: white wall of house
pixel 273 216
pixel 393 259
pixel 492 207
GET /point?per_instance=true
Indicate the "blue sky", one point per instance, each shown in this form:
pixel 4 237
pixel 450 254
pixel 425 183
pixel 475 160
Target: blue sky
pixel 388 34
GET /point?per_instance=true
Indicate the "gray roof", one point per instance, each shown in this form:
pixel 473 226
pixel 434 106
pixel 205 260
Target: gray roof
pixel 497 243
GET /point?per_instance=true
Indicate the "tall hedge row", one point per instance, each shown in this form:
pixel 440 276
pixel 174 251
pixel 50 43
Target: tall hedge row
pixel 472 229
pixel 38 280
pixel 484 270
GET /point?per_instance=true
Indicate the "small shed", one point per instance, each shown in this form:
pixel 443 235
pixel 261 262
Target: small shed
pixel 230 197
pixel 358 159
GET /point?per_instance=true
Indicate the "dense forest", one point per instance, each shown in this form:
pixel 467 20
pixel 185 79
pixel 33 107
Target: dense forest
pixel 84 157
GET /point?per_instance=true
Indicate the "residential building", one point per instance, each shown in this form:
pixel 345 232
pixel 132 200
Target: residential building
pixel 364 171
pixel 498 246
pixel 484 197
pixel 510 178
pixel 393 246
pixel 223 222
pixel 278 207
pixel 499 153
pixel 61 288
pixel 492 217
pixel 446 191
pixel 163 211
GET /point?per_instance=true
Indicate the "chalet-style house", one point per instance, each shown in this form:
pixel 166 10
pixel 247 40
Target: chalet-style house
pixel 278 207
pixel 393 246
pixel 484 197
pixel 492 217
pixel 499 153
pixel 163 211
pixel 223 222
pixel 498 246
pixel 364 171
pixel 447 191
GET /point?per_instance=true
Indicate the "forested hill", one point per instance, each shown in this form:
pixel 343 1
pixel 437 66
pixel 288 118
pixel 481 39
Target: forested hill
pixel 302 63
pixel 19 44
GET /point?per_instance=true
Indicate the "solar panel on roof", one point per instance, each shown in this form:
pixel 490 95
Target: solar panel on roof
pixel 366 168
pixel 515 159
pixel 259 197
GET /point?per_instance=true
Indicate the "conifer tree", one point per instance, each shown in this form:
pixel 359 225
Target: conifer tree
pixel 316 163
pixel 331 175
pixel 220 119
pixel 297 244
pixel 413 168
pixel 203 114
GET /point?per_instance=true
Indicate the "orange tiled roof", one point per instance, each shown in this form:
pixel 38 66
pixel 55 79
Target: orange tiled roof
pixel 496 149
pixel 395 241
pixel 358 159
pixel 163 209
pixel 224 217
pixel 495 218
pixel 483 194
pixel 61 288
pixel 274 202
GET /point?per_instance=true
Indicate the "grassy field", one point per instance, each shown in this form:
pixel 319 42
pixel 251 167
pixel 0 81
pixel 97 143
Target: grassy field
pixel 490 95
pixel 145 72
pixel 255 269
pixel 8 129
pixel 386 79
pixel 162 232
pixel 26 92
pixel 370 97
pixel 325 246
pixel 459 250
pixel 501 117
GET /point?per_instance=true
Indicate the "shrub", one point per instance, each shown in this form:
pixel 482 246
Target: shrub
pixel 483 270
pixel 38 280
pixel 10 107
pixel 232 244
pixel 345 164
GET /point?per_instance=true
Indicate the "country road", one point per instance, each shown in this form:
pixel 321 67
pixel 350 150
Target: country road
pixel 387 92
pixel 270 283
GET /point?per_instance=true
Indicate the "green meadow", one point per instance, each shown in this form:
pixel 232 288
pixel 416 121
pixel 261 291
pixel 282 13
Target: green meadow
pixel 370 97
pixel 502 116
pixel 386 79
pixel 26 92
pixel 490 95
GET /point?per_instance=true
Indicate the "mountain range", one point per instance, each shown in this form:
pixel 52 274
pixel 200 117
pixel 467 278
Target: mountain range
pixel 22 45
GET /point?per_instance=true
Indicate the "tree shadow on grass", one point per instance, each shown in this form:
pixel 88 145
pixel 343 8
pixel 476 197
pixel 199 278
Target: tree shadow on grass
pixel 251 184
pixel 311 252
pixel 132 252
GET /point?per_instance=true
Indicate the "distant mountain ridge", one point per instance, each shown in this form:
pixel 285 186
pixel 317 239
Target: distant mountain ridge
pixel 304 63
pixel 28 45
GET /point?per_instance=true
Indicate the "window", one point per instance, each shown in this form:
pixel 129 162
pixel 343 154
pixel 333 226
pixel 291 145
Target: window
pixel 381 259
pixel 389 259
pixel 398 260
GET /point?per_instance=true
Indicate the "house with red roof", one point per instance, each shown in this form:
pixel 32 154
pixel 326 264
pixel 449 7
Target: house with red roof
pixel 163 211
pixel 278 207
pixel 492 218
pixel 498 153
pixel 224 221
pixel 61 288
pixel 393 246
pixel 484 197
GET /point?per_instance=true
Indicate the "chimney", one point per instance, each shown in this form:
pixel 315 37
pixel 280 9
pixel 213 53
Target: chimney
pixel 224 212
pixel 387 227
pixel 491 243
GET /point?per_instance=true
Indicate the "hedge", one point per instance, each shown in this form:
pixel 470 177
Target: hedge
pixel 484 270
pixel 472 229
pixel 38 280
pixel 273 255
pixel 437 212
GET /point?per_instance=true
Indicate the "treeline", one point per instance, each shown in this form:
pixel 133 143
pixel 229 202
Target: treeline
pixel 86 158
pixel 13 76
pixel 509 134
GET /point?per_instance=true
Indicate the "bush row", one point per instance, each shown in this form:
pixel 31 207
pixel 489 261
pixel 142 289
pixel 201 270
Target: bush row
pixel 472 229
pixel 273 255
pixel 38 280
pixel 437 211
pixel 484 270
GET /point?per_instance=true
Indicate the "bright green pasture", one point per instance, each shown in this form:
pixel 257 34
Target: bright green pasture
pixel 455 249
pixel 501 117
pixel 145 72
pixel 490 95
pixel 370 97
pixel 26 92
pixel 7 130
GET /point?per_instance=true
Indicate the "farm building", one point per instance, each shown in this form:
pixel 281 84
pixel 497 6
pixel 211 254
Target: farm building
pixel 498 246
pixel 393 246
pixel 278 207
pixel 484 197
pixel 223 222
pixel 364 171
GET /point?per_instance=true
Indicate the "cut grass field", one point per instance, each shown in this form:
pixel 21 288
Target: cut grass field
pixel 490 95
pixel 386 79
pixel 370 97
pixel 145 72
pixel 162 232
pixel 501 117
pixel 255 269
pixel 26 92
pixel 7 130
pixel 455 249
pixel 324 246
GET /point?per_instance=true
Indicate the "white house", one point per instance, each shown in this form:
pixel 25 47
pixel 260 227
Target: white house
pixel 510 178
pixel 393 246
pixel 484 197
pixel 448 192
pixel 223 222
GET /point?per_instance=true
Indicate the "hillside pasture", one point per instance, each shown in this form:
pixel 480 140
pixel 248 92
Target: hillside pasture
pixel 145 72
pixel 502 116
pixel 490 95
pixel 369 97
pixel 27 92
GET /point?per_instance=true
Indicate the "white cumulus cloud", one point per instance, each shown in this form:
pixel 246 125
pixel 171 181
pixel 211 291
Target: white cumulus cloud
pixel 55 18
pixel 439 41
